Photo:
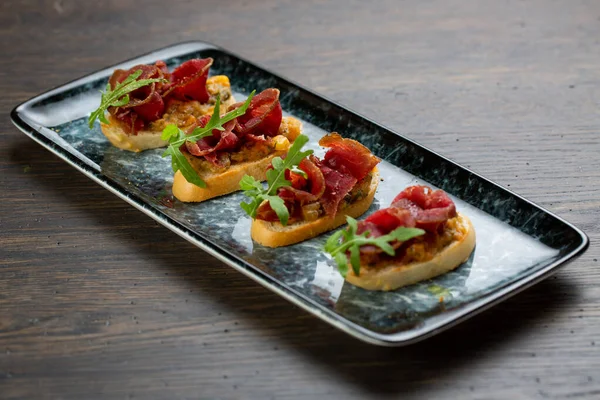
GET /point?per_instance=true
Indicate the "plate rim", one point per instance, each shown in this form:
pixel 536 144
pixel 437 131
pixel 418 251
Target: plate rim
pixel 450 318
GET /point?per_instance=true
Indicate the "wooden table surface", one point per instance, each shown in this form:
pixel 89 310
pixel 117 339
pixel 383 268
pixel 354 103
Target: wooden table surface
pixel 99 301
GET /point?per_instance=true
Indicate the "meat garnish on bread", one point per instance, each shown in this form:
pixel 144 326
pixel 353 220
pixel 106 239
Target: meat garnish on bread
pixel 318 194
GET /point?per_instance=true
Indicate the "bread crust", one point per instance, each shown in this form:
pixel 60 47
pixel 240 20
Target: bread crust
pixel 273 234
pixel 394 276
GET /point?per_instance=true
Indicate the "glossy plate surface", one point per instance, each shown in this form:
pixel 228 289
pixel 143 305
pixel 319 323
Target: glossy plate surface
pixel 518 243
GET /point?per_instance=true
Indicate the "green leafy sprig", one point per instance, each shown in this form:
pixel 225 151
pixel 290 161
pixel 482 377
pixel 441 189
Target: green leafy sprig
pixel 119 96
pixel 275 180
pixel 351 241
pixel 176 137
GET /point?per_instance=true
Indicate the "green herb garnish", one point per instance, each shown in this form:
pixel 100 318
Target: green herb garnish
pixel 176 137
pixel 119 96
pixel 352 242
pixel 275 180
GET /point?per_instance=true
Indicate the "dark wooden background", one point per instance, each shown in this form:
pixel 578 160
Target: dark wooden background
pixel 98 301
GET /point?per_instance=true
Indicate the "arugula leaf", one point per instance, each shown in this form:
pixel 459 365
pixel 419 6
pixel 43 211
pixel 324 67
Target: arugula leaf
pixel 119 96
pixel 176 138
pixel 256 192
pixel 351 241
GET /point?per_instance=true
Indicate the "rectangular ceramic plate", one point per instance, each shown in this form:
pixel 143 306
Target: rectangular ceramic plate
pixel 518 243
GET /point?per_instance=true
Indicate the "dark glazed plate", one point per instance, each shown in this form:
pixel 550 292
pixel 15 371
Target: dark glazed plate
pixel 518 243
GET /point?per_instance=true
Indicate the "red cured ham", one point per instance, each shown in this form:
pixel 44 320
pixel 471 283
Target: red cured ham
pixel 263 115
pixel 130 121
pixel 189 80
pixel 261 119
pixel 349 155
pixel 315 176
pixel 206 147
pixel 382 222
pixel 266 213
pixel 291 194
pixel 388 219
pixel 297 180
pixel 302 192
pixel 374 230
pixel 151 108
pixel 337 186
pixel 430 208
pixel 145 102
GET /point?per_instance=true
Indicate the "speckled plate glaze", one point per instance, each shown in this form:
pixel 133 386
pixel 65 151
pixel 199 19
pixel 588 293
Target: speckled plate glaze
pixel 518 243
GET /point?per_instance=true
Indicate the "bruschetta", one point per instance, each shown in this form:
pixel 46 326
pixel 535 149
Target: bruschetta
pixel 245 146
pixel 320 194
pixel 142 108
pixel 420 236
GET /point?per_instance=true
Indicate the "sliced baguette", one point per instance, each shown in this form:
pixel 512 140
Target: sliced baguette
pixel 273 234
pixel 150 137
pixel 394 276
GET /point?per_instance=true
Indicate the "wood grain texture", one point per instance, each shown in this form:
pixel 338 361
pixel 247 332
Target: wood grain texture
pixel 98 301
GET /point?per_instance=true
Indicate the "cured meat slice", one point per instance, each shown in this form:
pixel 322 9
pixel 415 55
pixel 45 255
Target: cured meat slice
pixel 146 102
pixel 263 115
pixel 219 141
pixel 189 80
pixel 348 155
pixel 430 208
pixel 337 186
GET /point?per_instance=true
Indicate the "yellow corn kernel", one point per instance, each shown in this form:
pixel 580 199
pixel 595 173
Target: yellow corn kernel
pixel 281 143
pixel 218 80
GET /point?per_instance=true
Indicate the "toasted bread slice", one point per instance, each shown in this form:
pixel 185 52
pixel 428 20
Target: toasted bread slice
pixel 273 234
pixel 181 113
pixel 389 276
